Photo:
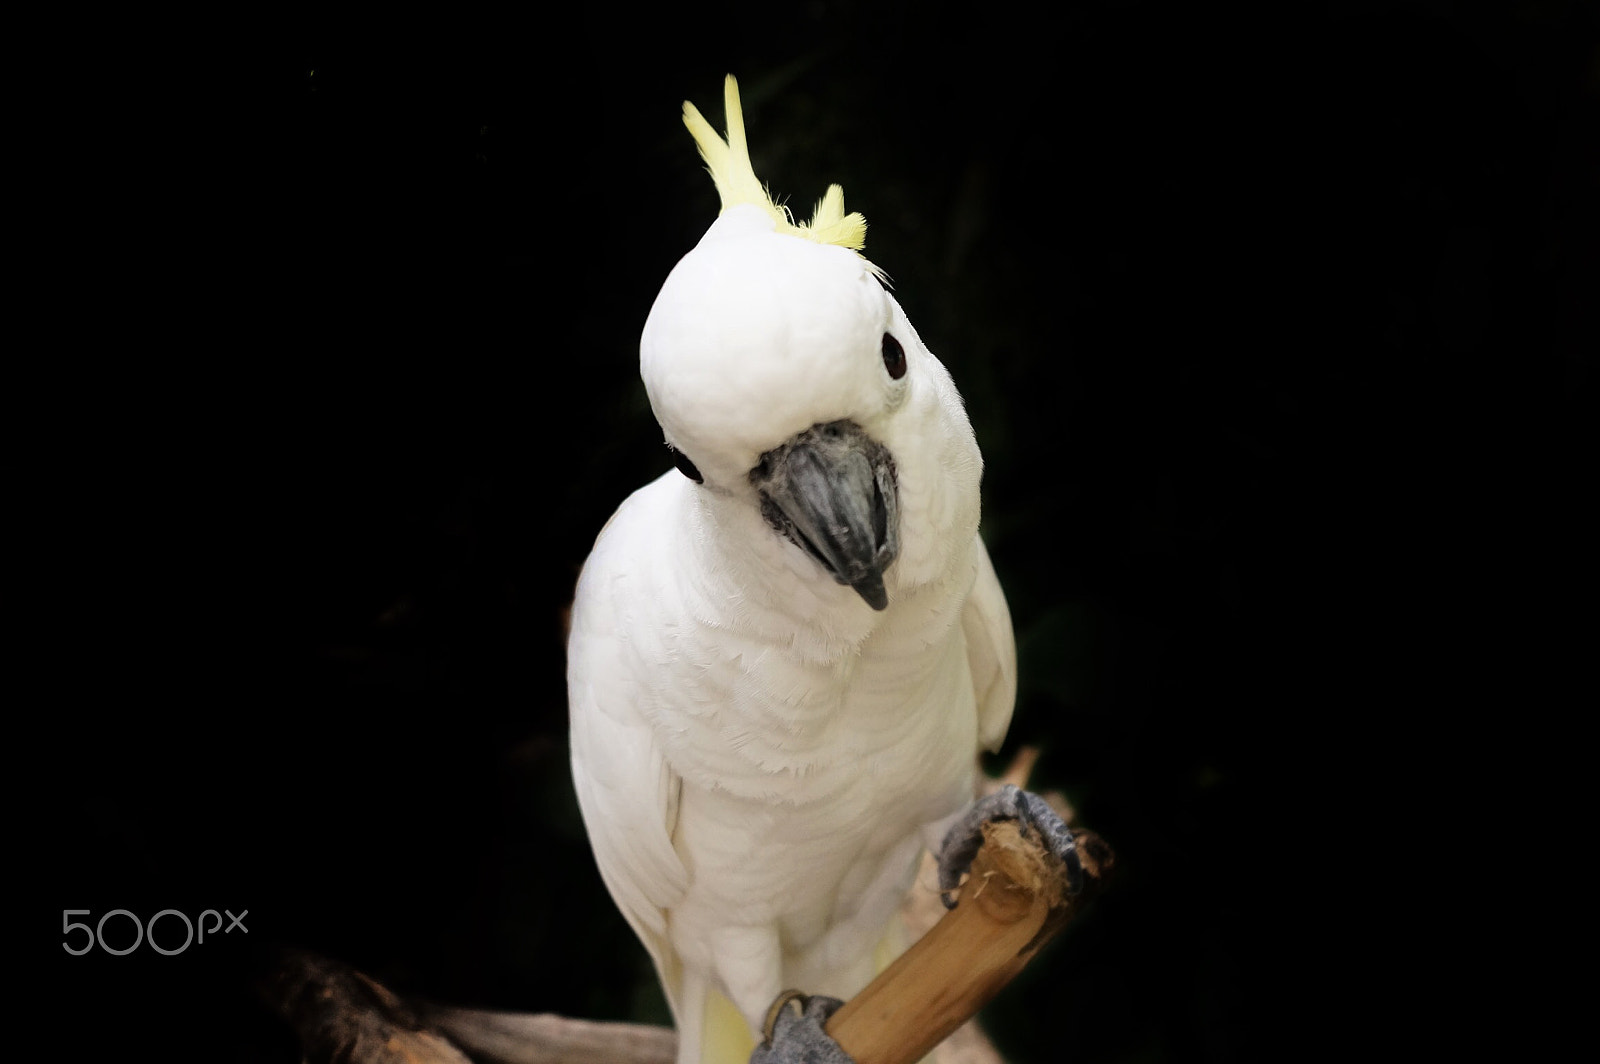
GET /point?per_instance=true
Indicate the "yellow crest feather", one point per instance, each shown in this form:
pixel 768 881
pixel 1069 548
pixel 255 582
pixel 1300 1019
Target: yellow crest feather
pixel 736 181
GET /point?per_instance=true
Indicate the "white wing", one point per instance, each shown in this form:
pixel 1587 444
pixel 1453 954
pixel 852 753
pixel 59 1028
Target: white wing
pixel 626 791
pixel 991 653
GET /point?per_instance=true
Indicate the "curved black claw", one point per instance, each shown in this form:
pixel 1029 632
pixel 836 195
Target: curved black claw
pixel 793 1033
pixel 962 841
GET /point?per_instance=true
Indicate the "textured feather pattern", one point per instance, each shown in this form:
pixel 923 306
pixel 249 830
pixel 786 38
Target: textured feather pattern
pixel 759 755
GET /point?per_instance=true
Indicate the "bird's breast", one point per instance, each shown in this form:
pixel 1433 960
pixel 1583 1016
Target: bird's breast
pixel 837 790
pixel 736 712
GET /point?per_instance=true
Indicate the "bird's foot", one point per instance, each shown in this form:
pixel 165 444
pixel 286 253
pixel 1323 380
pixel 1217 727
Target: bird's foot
pixel 793 1032
pixel 1033 813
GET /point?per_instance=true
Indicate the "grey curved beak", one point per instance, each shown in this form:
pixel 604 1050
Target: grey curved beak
pixel 831 491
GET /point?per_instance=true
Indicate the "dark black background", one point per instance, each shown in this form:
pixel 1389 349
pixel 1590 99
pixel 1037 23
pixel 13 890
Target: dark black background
pixel 1273 324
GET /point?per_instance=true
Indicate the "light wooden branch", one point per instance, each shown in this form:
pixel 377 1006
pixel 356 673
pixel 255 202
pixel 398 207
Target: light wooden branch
pixel 1013 901
pixel 508 1038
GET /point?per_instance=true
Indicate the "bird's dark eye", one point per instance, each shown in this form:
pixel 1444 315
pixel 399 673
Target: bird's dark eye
pixel 894 357
pixel 686 467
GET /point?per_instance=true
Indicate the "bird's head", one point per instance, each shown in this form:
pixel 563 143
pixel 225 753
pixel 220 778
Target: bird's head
pixel 784 374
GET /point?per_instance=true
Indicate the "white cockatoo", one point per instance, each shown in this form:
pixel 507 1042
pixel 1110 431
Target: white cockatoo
pixel 786 655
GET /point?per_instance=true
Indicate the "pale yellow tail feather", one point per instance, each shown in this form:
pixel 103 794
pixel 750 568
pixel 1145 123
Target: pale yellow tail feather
pixel 725 1037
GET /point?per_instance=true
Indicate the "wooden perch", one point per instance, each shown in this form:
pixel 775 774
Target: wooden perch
pixel 506 1038
pixel 343 1016
pixel 1013 901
